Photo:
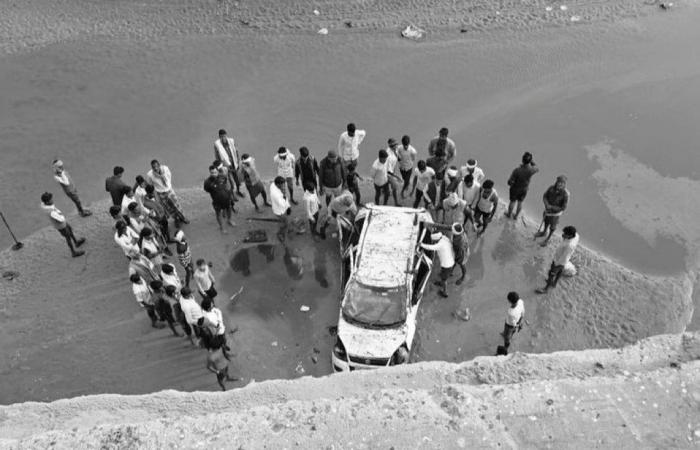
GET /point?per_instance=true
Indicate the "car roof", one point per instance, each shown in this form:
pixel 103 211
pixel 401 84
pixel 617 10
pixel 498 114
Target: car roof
pixel 387 245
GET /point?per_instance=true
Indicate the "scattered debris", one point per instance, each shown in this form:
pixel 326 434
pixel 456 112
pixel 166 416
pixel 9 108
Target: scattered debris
pixel 304 308
pixel 413 32
pixel 323 31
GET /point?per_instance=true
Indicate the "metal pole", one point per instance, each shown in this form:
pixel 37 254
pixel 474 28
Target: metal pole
pixel 18 245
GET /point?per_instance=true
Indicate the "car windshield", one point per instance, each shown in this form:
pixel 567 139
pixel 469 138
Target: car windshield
pixel 375 306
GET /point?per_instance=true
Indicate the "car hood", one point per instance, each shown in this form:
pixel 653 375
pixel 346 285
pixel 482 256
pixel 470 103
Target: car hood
pixel 371 343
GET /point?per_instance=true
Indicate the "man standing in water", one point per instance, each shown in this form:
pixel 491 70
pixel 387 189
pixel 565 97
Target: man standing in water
pixel 556 199
pixel 161 178
pixel 519 183
pixel 441 141
pixel 561 263
pixel 59 223
pixel 226 152
pixel 217 187
pixel 66 183
pixel 349 145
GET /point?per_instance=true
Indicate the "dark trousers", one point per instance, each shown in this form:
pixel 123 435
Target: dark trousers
pixel 381 191
pixel 555 272
pixel 74 197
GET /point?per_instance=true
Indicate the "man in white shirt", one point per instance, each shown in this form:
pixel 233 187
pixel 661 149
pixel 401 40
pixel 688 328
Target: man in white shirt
pixel 380 175
pixel 349 145
pixel 144 297
pixel 161 178
pixel 280 207
pixel 286 163
pixel 443 246
pixel 423 175
pixel 561 263
pixel 312 205
pixel 226 152
pixel 66 183
pixel 59 223
pixel 392 162
pixel 205 280
pixel 471 168
pixel 514 319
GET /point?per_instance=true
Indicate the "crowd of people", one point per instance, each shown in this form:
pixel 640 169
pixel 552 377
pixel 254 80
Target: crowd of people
pixel 460 199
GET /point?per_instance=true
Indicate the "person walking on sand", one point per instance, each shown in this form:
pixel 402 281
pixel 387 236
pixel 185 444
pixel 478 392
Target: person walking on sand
pixel 306 168
pixel 443 247
pixel 205 280
pixel 226 152
pixel 58 220
pixel 331 176
pixel 407 160
pixel 349 145
pixel 216 186
pixel 280 207
pixel 252 179
pixel 161 178
pixel 286 162
pixel 441 141
pixel 184 256
pixel 519 183
pixel 66 183
pixel 144 297
pixel 116 186
pixel 380 176
pixel 486 206
pixel 422 176
pixel 392 164
pixel 556 199
pixel 471 168
pixel 561 263
pixel 312 206
pixel 217 363
pixel 514 318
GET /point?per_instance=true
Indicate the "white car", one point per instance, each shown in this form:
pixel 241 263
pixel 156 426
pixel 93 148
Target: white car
pixel 384 273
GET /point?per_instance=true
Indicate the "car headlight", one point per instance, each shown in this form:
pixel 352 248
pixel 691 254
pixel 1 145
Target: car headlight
pixel 339 349
pixel 400 356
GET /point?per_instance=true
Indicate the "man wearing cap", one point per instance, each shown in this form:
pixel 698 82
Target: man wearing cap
pixel 443 247
pixel 66 183
pixel 331 176
pixel 556 199
pixel 441 141
pixel 58 221
pixel 226 152
pixel 392 162
pixel 380 176
pixel 286 162
pixel 349 145
pixel 252 180
pixel 280 207
pixel 472 169
pixel 519 183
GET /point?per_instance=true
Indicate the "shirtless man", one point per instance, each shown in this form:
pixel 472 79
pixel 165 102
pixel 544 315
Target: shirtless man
pixel 218 364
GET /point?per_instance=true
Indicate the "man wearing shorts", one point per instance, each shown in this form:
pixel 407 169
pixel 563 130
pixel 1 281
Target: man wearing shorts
pixel 443 246
pixel 331 176
pixel 519 183
pixel 486 205
pixel 556 199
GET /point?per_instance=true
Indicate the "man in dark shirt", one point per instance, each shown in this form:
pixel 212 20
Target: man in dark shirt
pixel 306 168
pixel 556 199
pixel 331 176
pixel 519 183
pixel 217 187
pixel 116 187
